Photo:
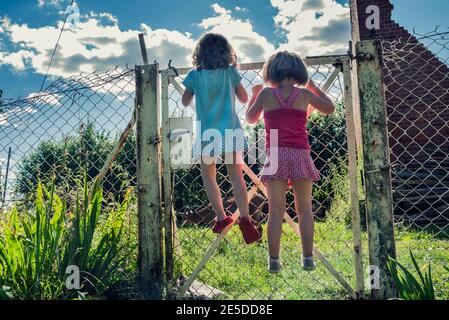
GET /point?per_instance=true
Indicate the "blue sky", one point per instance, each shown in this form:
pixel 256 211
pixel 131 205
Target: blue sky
pixel 29 30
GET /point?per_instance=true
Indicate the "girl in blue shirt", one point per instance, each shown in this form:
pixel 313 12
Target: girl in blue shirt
pixel 215 82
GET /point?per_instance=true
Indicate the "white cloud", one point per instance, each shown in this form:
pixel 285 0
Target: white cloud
pixel 219 9
pixel 45 97
pixel 3 120
pixel 41 3
pixel 17 60
pixel 91 45
pixel 313 27
pixel 241 9
pixel 107 16
pixel 248 44
pixel 96 44
pixel 14 117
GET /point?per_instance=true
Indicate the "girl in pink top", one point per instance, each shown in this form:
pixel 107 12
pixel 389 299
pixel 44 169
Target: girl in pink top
pixel 286 104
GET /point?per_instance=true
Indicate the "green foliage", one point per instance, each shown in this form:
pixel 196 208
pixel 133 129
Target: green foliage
pixel 98 261
pixel 86 151
pixel 327 136
pixel 190 192
pixel 410 287
pixel 29 246
pixel 37 246
pixel 5 294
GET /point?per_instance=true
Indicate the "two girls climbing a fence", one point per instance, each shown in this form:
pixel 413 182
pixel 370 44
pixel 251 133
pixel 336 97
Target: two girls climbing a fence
pixel 286 102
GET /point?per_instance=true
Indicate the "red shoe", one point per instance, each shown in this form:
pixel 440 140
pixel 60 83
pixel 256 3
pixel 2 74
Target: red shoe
pixel 249 231
pixel 219 226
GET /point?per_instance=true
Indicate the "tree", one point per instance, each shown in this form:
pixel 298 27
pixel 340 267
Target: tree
pixel 65 161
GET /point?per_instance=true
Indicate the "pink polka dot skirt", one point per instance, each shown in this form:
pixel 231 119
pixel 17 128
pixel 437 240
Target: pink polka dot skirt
pixel 285 163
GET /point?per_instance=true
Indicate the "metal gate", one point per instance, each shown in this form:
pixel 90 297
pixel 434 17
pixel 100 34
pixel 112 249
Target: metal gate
pixel 201 264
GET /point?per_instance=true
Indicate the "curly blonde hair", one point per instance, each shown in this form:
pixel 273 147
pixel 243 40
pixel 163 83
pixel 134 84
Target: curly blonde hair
pixel 213 51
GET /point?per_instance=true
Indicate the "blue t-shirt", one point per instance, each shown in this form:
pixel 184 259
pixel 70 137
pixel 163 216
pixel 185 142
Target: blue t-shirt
pixel 215 97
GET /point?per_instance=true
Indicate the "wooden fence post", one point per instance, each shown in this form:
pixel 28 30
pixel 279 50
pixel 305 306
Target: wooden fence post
pixel 351 134
pixel 169 218
pixel 376 151
pixel 149 208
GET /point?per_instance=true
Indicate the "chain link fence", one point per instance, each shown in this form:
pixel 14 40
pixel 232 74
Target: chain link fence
pixel 66 130
pixel 236 270
pixel 72 126
pixel 417 99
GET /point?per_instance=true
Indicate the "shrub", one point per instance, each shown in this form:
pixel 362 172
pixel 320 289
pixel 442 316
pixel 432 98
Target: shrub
pixel 409 287
pixel 37 246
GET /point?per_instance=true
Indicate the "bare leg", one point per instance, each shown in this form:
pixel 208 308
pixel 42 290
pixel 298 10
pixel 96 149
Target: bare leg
pixel 209 175
pixel 276 202
pixel 303 202
pixel 235 174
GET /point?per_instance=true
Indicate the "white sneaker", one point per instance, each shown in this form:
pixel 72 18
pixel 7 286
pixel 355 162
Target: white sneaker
pixel 274 265
pixel 308 264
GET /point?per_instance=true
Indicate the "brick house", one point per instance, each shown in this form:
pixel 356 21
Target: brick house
pixel 417 102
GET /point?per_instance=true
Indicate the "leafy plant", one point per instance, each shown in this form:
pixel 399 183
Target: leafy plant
pixel 5 294
pixel 37 246
pixel 96 261
pixel 410 287
pixel 29 246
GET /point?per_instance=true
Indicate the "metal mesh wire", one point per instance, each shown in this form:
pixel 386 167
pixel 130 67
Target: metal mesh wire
pixel 74 123
pixel 69 127
pixel 417 96
pixel 240 271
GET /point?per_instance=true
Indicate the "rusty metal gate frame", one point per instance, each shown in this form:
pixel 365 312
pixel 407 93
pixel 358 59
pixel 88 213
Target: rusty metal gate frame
pixel 342 65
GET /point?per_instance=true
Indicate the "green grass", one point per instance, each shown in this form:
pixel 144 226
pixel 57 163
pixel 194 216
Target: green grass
pixel 427 249
pixel 240 270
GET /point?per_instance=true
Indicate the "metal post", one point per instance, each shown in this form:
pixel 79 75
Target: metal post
pixel 169 220
pixel 6 177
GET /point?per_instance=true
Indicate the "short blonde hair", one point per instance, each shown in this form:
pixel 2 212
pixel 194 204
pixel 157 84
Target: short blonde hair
pixel 285 65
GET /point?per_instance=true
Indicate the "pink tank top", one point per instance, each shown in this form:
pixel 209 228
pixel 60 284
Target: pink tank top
pixel 290 123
